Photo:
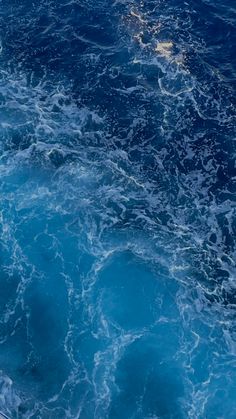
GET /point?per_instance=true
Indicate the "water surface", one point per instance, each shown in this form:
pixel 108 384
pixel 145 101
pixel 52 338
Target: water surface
pixel 117 232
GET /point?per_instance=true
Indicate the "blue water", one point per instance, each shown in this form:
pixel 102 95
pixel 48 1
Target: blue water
pixel 117 209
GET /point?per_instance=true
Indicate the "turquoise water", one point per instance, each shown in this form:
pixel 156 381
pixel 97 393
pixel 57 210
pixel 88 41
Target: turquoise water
pixel 117 234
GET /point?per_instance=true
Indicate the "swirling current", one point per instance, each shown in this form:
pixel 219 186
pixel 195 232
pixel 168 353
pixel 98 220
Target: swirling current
pixel 117 210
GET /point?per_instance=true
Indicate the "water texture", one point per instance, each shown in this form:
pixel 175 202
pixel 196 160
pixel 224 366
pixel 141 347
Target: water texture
pixel 117 209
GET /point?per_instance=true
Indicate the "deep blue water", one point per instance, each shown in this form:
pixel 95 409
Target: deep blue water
pixel 117 209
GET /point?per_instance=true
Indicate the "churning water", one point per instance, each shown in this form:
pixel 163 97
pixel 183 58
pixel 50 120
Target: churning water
pixel 117 231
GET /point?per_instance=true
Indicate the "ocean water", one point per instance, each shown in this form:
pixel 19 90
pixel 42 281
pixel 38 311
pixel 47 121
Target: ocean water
pixel 117 209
